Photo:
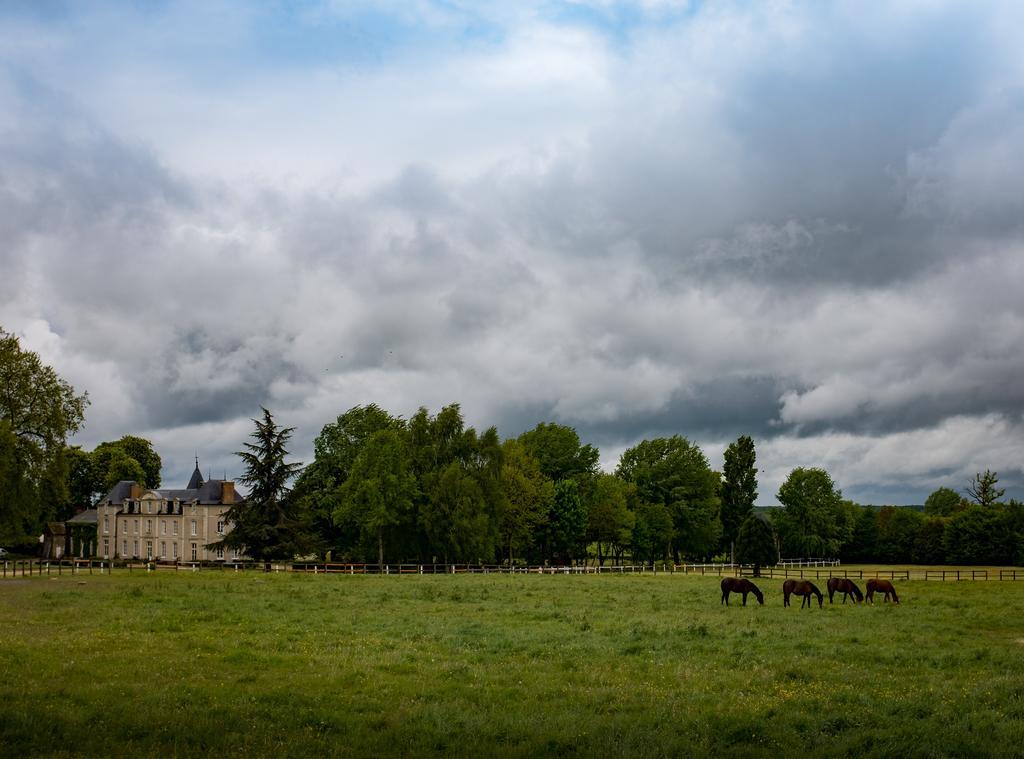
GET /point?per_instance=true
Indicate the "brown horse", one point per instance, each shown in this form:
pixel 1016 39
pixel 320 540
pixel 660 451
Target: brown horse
pixel 737 585
pixel 846 587
pixel 804 588
pixel 882 586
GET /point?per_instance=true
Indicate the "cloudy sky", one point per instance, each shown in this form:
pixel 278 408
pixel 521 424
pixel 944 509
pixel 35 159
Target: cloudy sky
pixel 798 221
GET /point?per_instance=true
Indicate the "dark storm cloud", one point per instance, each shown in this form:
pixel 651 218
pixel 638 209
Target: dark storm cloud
pixel 802 224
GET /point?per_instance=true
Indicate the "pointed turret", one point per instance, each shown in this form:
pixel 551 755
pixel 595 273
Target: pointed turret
pixel 197 478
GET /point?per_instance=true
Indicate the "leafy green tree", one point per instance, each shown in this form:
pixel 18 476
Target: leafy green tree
pixel 898 529
pixel 982 488
pixel 928 543
pixel 863 543
pixel 83 483
pixel 529 497
pixel 459 476
pixel 675 473
pixel 739 488
pixel 318 488
pixel 653 532
pixel 942 502
pixel 378 494
pixel 559 453
pixel 756 543
pixel 141 450
pixel 974 536
pixel 1012 532
pixel 609 519
pixel 264 525
pixel 38 412
pixel 812 520
pixel 567 523
pixel 456 518
pixel 119 466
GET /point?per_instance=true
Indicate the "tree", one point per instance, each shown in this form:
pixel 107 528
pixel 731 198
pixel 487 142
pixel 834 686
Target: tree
pixel 928 543
pixel 756 543
pixel 136 448
pixel 379 491
pixel 264 525
pixel 653 532
pixel 739 487
pixel 982 488
pixel 529 497
pixel 974 536
pixel 567 522
pixel 459 479
pixel 675 473
pixel 38 412
pixel 318 489
pixel 898 529
pixel 119 466
pixel 942 502
pixel 609 520
pixel 863 544
pixel 559 453
pixel 82 478
pixel 812 521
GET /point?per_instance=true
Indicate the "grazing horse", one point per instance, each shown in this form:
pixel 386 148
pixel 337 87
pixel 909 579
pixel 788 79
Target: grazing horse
pixel 804 588
pixel 882 586
pixel 846 587
pixel 736 585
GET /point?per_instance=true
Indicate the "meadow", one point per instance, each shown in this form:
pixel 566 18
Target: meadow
pixel 252 664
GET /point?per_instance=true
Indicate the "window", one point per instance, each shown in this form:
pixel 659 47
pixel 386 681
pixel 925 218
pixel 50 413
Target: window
pixel 220 552
pixel 124 547
pixel 234 553
pixel 194 527
pixel 163 528
pixel 174 550
pixel 163 550
pixel 174 528
pixel 136 526
pixel 106 548
pixel 194 554
pixel 106 524
pixel 149 526
pixel 220 528
pixel 135 549
pixel 149 550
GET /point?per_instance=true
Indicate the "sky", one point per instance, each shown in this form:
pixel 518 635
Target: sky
pixel 802 222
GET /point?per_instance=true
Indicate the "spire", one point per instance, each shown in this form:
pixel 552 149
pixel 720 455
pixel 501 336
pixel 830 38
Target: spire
pixel 197 477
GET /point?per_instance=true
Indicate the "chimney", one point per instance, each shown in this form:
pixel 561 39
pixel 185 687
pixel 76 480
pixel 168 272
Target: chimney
pixel 136 491
pixel 227 492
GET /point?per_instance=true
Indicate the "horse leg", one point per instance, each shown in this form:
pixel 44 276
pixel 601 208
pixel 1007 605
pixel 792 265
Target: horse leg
pixel 830 594
pixel 725 598
pixel 844 597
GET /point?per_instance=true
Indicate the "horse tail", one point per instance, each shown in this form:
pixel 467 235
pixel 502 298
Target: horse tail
pixel 895 598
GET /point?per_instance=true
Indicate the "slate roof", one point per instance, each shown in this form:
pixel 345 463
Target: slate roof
pixel 119 493
pixel 87 516
pixel 206 494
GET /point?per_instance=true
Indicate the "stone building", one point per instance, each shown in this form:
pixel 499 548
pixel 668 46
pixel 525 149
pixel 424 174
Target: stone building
pixel 133 522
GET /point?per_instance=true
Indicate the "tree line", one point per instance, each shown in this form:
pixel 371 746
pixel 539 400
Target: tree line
pixel 430 489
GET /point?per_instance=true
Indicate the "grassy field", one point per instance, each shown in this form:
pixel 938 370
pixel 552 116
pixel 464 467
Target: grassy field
pixel 299 665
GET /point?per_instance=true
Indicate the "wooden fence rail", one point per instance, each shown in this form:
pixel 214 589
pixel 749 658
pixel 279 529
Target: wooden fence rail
pixel 34 567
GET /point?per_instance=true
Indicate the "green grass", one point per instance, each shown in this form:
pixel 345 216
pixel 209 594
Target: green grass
pixel 300 665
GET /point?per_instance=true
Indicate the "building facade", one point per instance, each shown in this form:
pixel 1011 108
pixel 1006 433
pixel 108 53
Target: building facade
pixel 133 522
